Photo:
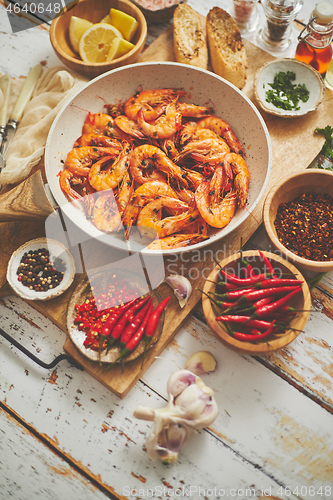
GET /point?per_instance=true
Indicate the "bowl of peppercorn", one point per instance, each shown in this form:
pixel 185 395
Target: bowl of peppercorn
pixel 298 217
pixel 41 269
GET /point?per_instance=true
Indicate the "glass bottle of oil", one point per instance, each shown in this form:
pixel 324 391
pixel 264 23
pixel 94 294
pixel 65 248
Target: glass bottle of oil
pixel 314 45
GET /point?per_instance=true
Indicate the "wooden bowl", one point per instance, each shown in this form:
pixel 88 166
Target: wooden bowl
pixel 288 188
pixel 94 11
pixel 302 301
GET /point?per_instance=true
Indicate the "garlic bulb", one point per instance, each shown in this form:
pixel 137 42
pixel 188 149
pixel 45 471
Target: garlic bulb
pixel 181 286
pixel 191 406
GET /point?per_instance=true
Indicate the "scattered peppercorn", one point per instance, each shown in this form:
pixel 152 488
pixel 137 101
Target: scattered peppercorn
pixel 39 271
pixel 305 226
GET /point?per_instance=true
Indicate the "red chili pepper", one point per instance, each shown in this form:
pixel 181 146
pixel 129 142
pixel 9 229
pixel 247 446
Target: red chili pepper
pixel 266 292
pixel 154 319
pixel 277 282
pixel 114 316
pixel 254 338
pixel 244 281
pixel 267 263
pixel 253 331
pixel 264 301
pixel 256 323
pixel 276 306
pixel 233 294
pixel 132 327
pixel 131 345
pixel 111 321
pixel 246 269
pixel 122 321
pixel 133 342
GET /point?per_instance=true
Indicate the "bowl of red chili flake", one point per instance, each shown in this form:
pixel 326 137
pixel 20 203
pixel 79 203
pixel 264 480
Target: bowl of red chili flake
pixel 298 217
pixel 41 269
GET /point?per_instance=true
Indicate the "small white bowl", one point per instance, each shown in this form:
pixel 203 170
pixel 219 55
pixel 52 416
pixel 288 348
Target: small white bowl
pixel 56 249
pixel 304 74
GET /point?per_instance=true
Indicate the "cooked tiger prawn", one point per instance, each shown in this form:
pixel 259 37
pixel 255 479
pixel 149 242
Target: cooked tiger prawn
pixel 128 126
pixel 146 156
pixel 142 195
pixel 150 221
pixel 163 127
pixel 207 150
pixel 152 102
pixel 193 111
pixel 79 160
pixel 176 241
pixel 101 124
pixel 105 214
pixel 222 128
pixel 98 140
pixel 214 209
pixel 65 178
pixel 110 177
pixel 242 176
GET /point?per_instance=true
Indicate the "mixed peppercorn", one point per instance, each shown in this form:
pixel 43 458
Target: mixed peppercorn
pixel 305 226
pixel 107 325
pixel 39 271
pixel 256 305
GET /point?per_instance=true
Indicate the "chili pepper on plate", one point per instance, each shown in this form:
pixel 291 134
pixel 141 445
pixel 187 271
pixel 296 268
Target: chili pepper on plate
pixel 154 319
pixel 122 321
pixel 135 323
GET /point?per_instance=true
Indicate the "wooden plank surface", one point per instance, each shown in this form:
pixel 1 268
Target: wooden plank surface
pixel 267 434
pixel 294 146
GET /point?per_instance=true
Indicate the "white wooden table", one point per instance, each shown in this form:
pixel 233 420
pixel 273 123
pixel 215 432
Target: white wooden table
pixel 64 435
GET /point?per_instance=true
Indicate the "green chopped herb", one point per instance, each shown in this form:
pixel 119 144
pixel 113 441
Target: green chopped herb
pixel 327 149
pixel 284 93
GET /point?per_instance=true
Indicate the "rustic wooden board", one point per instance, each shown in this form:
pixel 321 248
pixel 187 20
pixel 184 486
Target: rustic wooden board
pixel 294 146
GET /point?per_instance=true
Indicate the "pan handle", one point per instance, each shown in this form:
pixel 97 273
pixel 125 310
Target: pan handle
pixel 27 201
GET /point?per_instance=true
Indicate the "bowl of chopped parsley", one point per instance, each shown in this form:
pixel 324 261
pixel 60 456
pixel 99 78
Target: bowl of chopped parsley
pixel 288 88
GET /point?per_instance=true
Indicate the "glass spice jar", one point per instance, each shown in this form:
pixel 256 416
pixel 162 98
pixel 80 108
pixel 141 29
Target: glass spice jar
pixel 276 34
pixel 246 15
pixel 314 47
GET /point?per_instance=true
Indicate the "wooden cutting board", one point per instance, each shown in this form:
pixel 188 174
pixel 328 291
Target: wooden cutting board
pixel 294 146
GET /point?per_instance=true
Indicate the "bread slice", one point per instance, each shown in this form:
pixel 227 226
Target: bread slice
pixel 189 36
pixel 226 49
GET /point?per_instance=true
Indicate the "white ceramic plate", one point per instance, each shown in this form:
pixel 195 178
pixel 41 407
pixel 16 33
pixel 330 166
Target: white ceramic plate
pixel 203 87
pixel 56 249
pixel 304 74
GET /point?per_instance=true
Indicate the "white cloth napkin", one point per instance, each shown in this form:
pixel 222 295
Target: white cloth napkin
pixel 53 89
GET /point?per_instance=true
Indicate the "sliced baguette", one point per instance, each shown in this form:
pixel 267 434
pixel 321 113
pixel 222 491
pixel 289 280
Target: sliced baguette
pixel 189 36
pixel 226 49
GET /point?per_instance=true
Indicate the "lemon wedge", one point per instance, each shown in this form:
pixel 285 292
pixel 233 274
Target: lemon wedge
pixel 125 23
pixel 106 19
pixel 118 48
pixel 77 27
pixel 96 41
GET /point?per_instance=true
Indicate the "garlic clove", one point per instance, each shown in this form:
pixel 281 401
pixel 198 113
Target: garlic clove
pixel 201 362
pixel 181 286
pixel 179 380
